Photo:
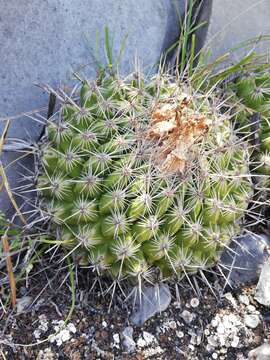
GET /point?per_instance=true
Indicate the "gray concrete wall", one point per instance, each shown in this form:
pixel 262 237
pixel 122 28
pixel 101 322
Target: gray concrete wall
pixel 44 41
pixel 235 21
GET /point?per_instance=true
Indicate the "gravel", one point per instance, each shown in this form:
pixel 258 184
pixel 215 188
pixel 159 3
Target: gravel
pixel 200 327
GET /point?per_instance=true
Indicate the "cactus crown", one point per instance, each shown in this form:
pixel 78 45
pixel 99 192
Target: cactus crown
pixel 143 174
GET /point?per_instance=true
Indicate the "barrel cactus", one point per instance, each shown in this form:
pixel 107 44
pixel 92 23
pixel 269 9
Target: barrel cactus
pixel 253 91
pixel 140 177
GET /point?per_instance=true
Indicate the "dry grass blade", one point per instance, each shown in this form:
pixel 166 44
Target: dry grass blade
pixel 2 139
pixel 3 136
pixel 11 277
pixel 10 195
pixel 4 238
pixel 4 182
pixel 2 354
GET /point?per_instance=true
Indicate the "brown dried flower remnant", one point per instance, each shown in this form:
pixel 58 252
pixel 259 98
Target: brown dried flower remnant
pixel 176 128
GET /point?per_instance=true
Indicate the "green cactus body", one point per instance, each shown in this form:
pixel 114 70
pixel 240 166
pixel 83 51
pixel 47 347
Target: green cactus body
pixel 138 175
pixel 254 93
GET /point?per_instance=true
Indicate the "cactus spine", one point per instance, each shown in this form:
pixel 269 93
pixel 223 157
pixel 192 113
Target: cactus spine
pixel 254 93
pixel 140 175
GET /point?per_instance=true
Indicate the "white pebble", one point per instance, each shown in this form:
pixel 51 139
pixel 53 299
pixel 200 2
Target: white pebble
pixel 212 341
pixel 235 341
pixel 244 299
pixel 251 308
pixel 215 322
pixel 116 338
pixel 187 316
pixel 222 339
pixel 172 325
pixel 231 299
pixel 262 352
pixel 141 343
pixel 71 328
pixel 194 302
pixel 252 321
pixel 179 334
pixel 220 329
pixel 149 338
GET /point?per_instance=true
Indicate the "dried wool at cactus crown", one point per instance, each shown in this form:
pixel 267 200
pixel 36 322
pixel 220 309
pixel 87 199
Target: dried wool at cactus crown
pixel 139 176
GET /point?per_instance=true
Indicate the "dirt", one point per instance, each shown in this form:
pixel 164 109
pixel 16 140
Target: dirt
pixel 189 328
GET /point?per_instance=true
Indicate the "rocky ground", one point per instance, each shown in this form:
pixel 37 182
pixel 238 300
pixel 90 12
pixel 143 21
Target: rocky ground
pixel 194 325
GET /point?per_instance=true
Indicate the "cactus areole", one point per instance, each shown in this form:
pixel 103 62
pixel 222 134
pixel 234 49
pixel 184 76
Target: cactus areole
pixel 143 177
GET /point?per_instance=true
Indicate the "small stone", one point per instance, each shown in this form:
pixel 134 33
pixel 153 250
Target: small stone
pixel 187 316
pixel 23 303
pixel 62 332
pixel 194 302
pixel 172 325
pixel 215 356
pixel 220 329
pixel 199 338
pixel 215 322
pixel 141 342
pixel 260 353
pixel 252 321
pixel 43 326
pixel 149 353
pixel 251 308
pixel 244 299
pixel 180 334
pixel 46 354
pixel 149 338
pixel 222 340
pixel 206 332
pixel 104 323
pixel 65 336
pixel 193 339
pixel 262 293
pixel 155 299
pixel 212 341
pixel 251 254
pixel 128 342
pixel 235 341
pixel 116 338
pixel 231 320
pixel 71 327
pixel 230 298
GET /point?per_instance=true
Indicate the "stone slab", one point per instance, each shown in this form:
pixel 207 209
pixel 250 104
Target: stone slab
pixel 235 21
pixel 45 41
pixel 243 263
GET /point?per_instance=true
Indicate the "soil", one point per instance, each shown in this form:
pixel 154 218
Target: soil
pixel 189 328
